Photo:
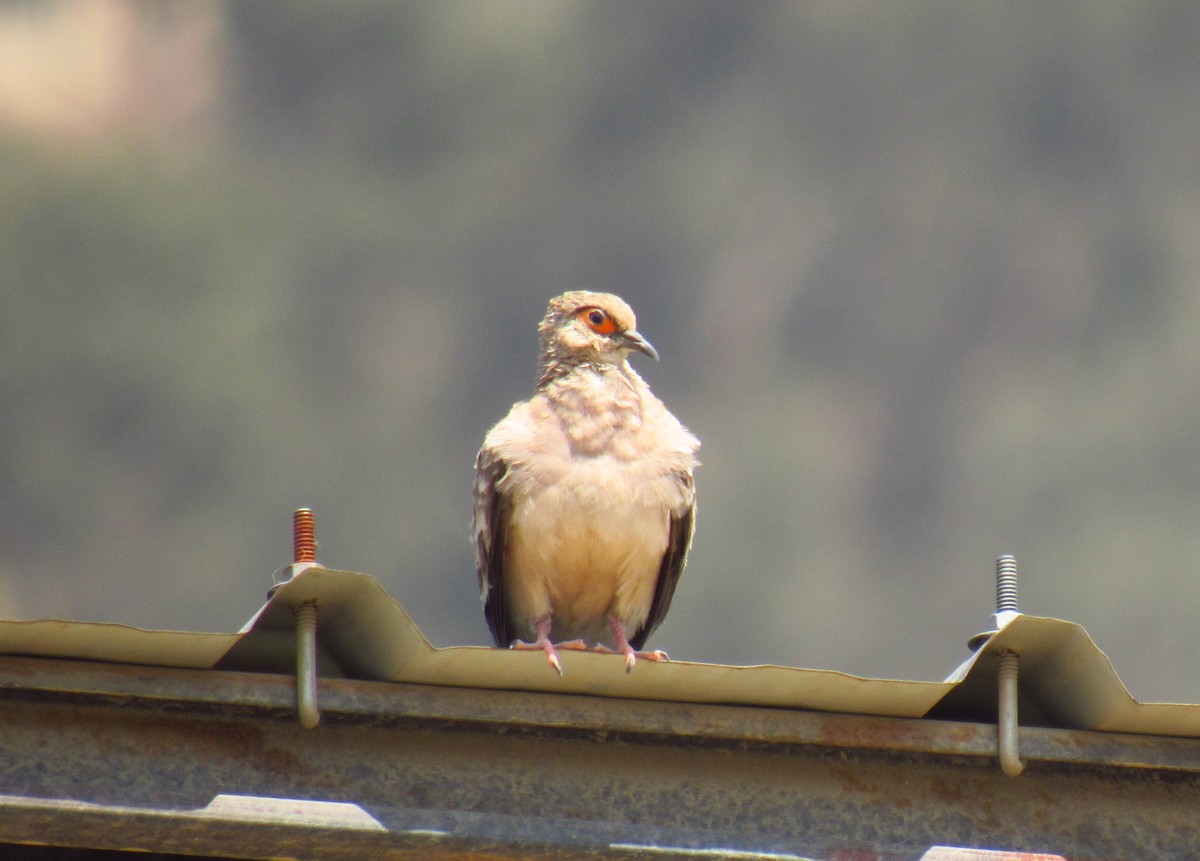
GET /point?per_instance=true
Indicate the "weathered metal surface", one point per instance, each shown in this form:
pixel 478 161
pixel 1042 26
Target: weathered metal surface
pixel 364 633
pixel 142 758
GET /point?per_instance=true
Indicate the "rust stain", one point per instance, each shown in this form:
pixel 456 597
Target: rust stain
pixel 947 792
pixel 853 781
pixel 839 732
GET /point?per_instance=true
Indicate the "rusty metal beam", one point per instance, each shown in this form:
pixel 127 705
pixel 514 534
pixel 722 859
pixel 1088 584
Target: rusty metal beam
pixel 214 763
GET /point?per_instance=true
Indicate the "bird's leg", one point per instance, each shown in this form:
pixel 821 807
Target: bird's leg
pixel 542 628
pixel 631 654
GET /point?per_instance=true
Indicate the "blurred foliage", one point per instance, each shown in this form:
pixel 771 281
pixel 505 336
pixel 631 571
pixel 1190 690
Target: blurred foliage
pixel 922 275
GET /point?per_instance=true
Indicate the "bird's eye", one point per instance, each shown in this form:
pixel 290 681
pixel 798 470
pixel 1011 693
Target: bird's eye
pixel 598 321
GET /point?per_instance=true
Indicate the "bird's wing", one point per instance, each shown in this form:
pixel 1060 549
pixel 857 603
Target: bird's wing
pixel 489 527
pixel 678 542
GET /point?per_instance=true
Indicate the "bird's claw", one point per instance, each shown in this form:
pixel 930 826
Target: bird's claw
pixel 544 644
pixel 540 645
pixel 631 658
pixel 632 655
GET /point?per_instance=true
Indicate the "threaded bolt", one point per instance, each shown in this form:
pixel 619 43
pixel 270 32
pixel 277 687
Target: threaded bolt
pixel 1007 739
pixel 1007 663
pixel 1006 584
pixel 1006 599
pixel 304 536
pixel 306 664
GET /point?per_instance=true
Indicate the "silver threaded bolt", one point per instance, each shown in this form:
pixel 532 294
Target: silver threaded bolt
pixel 1006 584
pixel 1007 723
pixel 306 664
pixel 1006 599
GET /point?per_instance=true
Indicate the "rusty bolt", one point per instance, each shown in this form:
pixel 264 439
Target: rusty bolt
pixel 304 536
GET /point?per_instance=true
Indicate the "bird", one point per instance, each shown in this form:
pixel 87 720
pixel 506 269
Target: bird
pixel 584 495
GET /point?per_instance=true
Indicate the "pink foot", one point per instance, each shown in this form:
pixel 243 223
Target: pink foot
pixel 623 647
pixel 573 645
pixel 542 629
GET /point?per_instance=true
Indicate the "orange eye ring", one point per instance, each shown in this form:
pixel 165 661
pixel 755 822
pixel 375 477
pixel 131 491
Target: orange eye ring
pixel 598 320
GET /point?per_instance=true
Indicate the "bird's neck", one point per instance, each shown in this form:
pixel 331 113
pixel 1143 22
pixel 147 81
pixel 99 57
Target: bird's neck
pixel 598 406
pixel 556 368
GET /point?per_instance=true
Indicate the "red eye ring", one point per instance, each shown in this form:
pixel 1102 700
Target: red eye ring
pixel 598 320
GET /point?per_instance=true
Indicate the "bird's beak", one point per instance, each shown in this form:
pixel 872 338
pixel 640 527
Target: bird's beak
pixel 634 341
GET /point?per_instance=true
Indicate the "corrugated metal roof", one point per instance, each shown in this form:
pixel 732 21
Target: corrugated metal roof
pixel 189 743
pixel 1066 680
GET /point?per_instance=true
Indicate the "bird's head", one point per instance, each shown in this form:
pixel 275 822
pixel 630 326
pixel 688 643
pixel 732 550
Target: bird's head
pixel 590 327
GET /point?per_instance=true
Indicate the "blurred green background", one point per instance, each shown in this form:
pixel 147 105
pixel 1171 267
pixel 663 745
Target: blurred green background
pixel 923 277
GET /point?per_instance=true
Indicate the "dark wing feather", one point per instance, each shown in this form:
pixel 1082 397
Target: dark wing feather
pixel 678 543
pixel 489 528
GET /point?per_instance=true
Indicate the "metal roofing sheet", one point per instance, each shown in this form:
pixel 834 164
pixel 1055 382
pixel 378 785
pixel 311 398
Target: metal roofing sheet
pixel 1066 680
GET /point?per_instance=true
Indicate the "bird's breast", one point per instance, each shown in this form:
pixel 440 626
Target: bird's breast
pixel 583 547
pixel 600 413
